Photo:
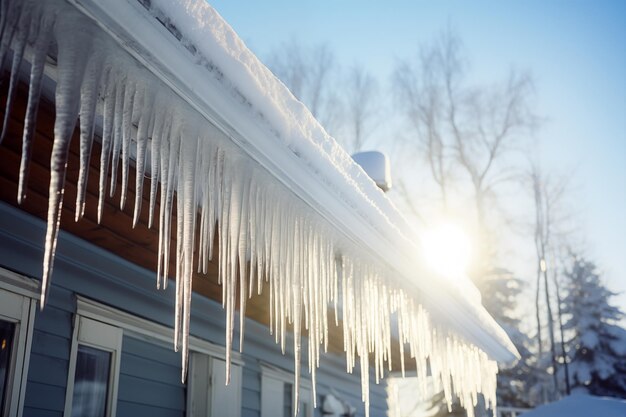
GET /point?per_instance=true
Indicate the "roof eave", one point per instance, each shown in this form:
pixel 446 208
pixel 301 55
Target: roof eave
pixel 138 33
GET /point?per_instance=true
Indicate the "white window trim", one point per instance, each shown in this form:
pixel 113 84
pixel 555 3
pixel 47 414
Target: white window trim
pixel 18 286
pixel 143 329
pixel 95 333
pixel 210 397
pixel 140 328
pixel 269 373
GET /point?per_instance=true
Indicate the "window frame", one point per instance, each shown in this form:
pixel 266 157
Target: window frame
pixel 89 331
pixel 143 329
pixel 271 375
pixel 19 303
pixel 207 399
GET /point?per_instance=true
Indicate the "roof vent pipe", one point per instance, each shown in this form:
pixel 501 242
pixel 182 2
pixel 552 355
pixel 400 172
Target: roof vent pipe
pixel 376 165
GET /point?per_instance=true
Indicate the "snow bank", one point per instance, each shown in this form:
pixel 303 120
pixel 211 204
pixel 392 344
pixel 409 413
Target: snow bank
pixel 578 405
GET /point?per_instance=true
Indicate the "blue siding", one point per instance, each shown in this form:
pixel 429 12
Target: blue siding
pixel 39 412
pixel 49 361
pixel 128 409
pixel 50 344
pixel 44 397
pixel 149 382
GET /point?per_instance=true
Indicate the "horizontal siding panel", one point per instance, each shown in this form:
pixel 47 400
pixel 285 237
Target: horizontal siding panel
pixel 44 396
pixel 61 298
pixel 54 321
pixel 51 345
pixel 151 351
pixel 48 370
pixel 38 412
pixel 137 366
pixel 128 409
pixel 143 391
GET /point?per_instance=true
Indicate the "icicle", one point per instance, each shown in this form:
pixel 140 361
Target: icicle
pixel 10 21
pixel 297 301
pixel 142 146
pixel 161 127
pixel 88 101
pixel 188 214
pixel 169 169
pixel 39 53
pixel 73 37
pixel 127 119
pixel 120 93
pixel 18 53
pixel 107 137
pixel 242 253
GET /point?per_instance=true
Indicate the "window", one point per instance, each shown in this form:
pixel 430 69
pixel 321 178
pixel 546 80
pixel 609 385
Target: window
pixel 99 337
pixel 91 382
pixel 17 312
pixel 94 369
pixel 207 392
pixel 277 394
pixel 7 330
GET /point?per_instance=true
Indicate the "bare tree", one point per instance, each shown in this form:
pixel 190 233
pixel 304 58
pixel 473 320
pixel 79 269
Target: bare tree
pixel 465 132
pixel 550 233
pixel 419 93
pixel 469 135
pixel 486 124
pixel 361 105
pixel 542 235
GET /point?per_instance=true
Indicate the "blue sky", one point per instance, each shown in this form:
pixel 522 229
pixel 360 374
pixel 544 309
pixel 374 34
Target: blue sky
pixel 575 49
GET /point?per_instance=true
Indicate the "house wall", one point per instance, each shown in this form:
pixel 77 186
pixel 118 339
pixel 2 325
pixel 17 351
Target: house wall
pixel 149 382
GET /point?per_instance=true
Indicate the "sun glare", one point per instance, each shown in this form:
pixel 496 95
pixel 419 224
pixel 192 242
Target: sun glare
pixel 447 250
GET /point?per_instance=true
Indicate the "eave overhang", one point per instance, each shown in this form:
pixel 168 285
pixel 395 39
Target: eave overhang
pixel 148 41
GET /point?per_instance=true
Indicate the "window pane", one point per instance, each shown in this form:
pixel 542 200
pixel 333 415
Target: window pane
pixel 7 331
pixel 91 382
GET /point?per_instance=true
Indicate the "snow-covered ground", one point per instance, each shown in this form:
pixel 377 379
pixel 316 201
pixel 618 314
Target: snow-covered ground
pixel 579 405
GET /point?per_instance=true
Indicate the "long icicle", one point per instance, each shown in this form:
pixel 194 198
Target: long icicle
pixel 142 145
pixel 18 54
pixel 108 119
pixel 74 45
pixel 39 54
pixel 88 100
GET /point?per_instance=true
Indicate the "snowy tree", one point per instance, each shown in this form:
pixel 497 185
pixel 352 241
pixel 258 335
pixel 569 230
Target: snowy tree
pixel 597 344
pixel 501 291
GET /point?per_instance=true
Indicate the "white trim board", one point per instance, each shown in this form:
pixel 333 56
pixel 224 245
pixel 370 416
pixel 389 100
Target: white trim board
pixel 144 329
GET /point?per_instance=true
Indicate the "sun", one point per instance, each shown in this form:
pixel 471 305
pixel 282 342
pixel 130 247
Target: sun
pixel 447 250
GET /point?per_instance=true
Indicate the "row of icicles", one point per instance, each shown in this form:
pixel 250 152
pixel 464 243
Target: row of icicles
pixel 267 236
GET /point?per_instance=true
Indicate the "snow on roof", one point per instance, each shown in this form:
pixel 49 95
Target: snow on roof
pixel 332 183
pixel 176 87
pixel 579 405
